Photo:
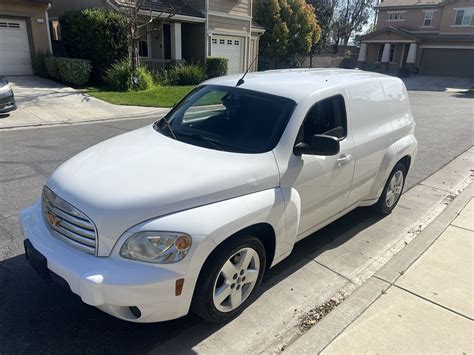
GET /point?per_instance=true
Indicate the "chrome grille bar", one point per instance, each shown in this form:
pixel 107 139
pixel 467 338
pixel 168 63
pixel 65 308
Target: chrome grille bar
pixel 67 223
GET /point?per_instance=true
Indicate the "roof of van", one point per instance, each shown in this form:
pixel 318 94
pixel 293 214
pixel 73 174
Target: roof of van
pixel 295 84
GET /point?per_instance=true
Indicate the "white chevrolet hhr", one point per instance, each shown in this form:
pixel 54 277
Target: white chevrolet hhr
pixel 188 213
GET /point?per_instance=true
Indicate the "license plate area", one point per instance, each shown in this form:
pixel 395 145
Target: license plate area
pixel 36 259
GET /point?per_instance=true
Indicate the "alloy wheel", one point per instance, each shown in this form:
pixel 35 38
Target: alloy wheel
pixel 394 189
pixel 236 280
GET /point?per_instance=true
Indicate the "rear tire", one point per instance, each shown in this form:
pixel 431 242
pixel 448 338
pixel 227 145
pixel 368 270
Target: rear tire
pixel 392 191
pixel 229 278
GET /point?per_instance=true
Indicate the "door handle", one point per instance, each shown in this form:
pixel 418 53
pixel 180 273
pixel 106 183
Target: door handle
pixel 344 159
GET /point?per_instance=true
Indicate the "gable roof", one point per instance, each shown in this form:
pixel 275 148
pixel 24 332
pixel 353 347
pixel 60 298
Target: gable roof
pixel 178 7
pixel 399 31
pixel 410 3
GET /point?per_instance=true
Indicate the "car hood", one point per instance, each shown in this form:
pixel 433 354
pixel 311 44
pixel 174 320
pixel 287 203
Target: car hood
pixel 143 174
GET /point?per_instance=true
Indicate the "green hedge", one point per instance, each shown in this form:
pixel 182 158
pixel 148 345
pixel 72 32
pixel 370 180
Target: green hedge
pixel 97 35
pixel 39 65
pixel 119 77
pixel 52 68
pixel 189 74
pixel 68 70
pixel 216 67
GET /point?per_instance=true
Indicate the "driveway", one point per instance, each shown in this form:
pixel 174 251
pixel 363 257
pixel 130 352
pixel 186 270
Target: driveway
pixel 438 83
pixel 42 102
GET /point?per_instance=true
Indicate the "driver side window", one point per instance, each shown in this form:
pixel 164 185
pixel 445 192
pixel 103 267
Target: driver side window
pixel 327 117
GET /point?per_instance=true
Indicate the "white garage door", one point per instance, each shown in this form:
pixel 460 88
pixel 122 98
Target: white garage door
pixel 231 48
pixel 14 48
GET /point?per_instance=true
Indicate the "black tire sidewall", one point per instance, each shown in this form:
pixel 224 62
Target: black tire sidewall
pixel 203 303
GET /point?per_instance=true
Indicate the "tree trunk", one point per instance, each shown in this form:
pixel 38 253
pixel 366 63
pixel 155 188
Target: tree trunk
pixel 134 53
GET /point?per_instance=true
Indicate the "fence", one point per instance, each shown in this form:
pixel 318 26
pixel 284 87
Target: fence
pixel 159 65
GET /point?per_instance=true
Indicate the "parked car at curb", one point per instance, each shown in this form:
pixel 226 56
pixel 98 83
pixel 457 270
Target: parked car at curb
pixel 7 98
pixel 188 213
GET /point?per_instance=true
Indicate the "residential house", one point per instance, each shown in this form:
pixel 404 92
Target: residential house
pixel 23 30
pixel 196 30
pixel 432 37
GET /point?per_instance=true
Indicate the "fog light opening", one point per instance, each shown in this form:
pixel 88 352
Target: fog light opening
pixel 135 311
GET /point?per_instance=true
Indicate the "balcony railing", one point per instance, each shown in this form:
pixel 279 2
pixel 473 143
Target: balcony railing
pixel 159 65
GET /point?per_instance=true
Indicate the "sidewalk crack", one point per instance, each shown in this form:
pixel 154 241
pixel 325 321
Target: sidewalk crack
pixel 433 302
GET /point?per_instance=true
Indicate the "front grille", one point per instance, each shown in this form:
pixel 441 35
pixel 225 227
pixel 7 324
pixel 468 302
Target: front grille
pixel 68 223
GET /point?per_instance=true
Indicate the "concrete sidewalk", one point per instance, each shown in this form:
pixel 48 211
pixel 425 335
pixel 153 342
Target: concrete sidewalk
pixel 43 102
pixel 422 301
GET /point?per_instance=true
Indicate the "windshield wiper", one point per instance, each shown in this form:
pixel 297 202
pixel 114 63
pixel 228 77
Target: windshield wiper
pixel 169 127
pixel 210 141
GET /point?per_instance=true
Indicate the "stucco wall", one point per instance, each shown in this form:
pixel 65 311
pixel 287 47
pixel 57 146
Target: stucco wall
pixel 447 21
pixel 412 18
pixel 32 13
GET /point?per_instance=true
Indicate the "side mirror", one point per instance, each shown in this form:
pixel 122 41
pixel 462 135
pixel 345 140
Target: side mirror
pixel 320 145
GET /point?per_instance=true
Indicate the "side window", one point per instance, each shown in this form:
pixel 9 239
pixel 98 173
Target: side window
pixel 326 117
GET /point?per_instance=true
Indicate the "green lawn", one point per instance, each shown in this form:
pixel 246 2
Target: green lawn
pixel 159 96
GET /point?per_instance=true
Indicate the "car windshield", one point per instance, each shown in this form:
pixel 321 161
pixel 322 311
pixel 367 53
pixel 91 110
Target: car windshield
pixel 228 118
pixel 3 81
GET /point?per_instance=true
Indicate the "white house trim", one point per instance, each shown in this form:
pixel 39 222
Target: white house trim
pixel 447 47
pixel 229 33
pixel 173 17
pixel 389 41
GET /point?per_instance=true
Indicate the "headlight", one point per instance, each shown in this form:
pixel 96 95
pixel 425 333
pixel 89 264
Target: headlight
pixel 156 247
pixel 5 88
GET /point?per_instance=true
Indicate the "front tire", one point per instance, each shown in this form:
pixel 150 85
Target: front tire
pixel 392 191
pixel 229 278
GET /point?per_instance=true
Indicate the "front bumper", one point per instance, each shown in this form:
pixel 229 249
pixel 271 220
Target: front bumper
pixel 7 102
pixel 112 284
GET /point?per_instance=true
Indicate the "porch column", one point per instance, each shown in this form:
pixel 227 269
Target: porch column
pixel 411 57
pixel 175 34
pixel 362 53
pixel 386 53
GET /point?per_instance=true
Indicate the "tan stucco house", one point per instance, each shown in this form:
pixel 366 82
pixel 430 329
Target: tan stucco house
pixel 23 30
pixel 432 37
pixel 198 29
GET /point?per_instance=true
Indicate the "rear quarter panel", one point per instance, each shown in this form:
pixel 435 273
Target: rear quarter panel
pixel 373 135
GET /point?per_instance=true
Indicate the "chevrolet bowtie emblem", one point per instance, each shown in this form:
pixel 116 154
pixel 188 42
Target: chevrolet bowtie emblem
pixel 52 219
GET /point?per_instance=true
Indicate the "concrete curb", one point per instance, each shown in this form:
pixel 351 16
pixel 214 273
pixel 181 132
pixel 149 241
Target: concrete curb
pixel 328 329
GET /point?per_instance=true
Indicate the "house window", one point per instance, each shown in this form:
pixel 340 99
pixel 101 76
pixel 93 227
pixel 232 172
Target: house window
pixel 229 42
pixel 214 41
pixel 463 17
pixel 143 48
pixel 428 20
pixel 326 117
pixel 236 42
pixel 380 53
pixel 221 41
pixel 396 16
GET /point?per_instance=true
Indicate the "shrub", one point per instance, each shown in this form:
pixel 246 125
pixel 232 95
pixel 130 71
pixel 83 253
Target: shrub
pixel 52 68
pixel 185 75
pixel 74 71
pixel 97 35
pixel 216 67
pixel 39 65
pixel 119 77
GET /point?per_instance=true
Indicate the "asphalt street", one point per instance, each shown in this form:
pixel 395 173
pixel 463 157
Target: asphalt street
pixel 36 317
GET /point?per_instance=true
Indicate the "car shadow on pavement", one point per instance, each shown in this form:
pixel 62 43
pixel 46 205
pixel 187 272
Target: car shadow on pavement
pixel 38 316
